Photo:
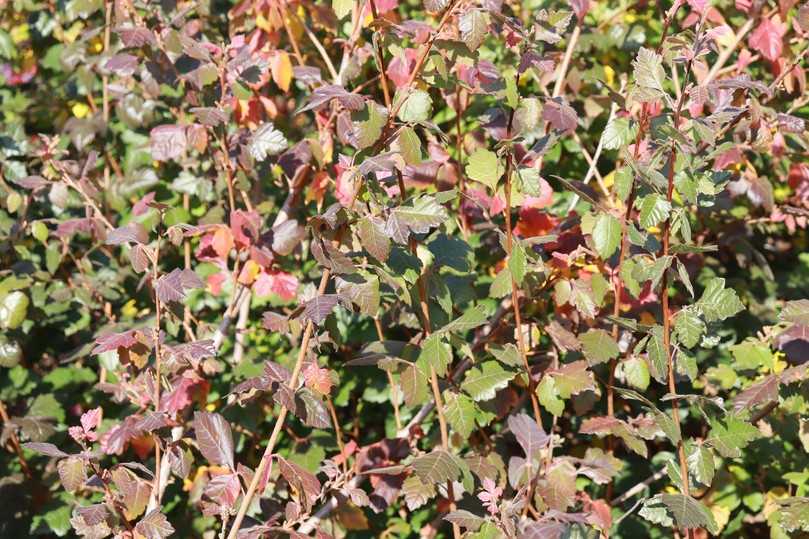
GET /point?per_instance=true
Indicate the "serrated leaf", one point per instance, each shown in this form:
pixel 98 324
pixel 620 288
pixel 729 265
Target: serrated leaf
pixel 598 346
pixel 617 134
pixel 371 231
pixel 718 302
pixel 730 435
pixel 637 372
pixel 267 141
pixel 483 166
pixel 72 473
pixel 517 262
pixel 658 358
pixel 409 145
pixel 688 327
pixel 319 307
pixel 417 107
pixel 436 353
pixel 460 411
pixel 465 519
pixel 606 235
pixel 155 525
pixel 417 492
pixel 418 218
pixel 436 467
pixel 529 434
pixel 473 26
pixel 549 396
pixel 649 74
pixel 558 488
pixel 501 285
pixel 701 464
pixel 471 319
pixel 214 438
pixel 483 381
pixel 572 378
pixel 414 385
pixel 688 512
pixel 654 209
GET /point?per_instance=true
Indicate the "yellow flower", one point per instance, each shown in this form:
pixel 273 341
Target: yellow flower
pixel 80 110
pixel 609 75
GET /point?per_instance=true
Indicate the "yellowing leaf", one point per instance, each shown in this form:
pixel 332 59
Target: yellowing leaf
pixel 282 70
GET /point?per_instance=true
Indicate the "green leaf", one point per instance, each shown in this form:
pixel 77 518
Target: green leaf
pixel 415 385
pixel 483 166
pixel 617 134
pixel 267 141
pixel 460 411
pixel 13 310
pixel 654 209
pixel 688 512
pixel 436 353
pixel 598 346
pixel 410 145
pixel 572 378
pixel 416 492
pixel 417 107
pixel 623 182
pixel 649 75
pixel 342 8
pixel 718 302
pixel 606 234
pixel 368 124
pixel 482 382
pixel 471 319
pixel 436 467
pixel 752 355
pixel 688 327
pixel 730 435
pixel 473 26
pixel 419 217
pixel 517 262
pixel 701 464
pixel 501 285
pixel 636 371
pixel 657 355
pixel 549 396
pixel 796 312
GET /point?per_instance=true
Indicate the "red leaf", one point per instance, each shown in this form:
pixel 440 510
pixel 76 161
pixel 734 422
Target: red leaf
pixel 768 38
pixel 167 142
pixel 214 438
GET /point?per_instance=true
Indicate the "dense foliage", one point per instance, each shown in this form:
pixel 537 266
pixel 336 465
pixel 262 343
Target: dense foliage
pixel 378 268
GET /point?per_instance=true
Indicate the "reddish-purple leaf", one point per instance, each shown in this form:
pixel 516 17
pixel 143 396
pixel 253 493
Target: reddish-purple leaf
pixel 762 392
pixel 223 489
pixel 45 449
pixel 172 286
pixel 319 307
pixel 155 525
pixel 114 441
pixel 131 233
pixel 529 435
pixel 136 37
pixel 304 481
pixel 167 142
pixel 324 94
pixel 210 116
pixel 560 115
pixel 122 64
pixel 768 37
pixel 93 514
pixel 127 339
pixel 214 438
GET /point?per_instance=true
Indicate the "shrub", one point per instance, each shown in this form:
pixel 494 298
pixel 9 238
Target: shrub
pixel 374 269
